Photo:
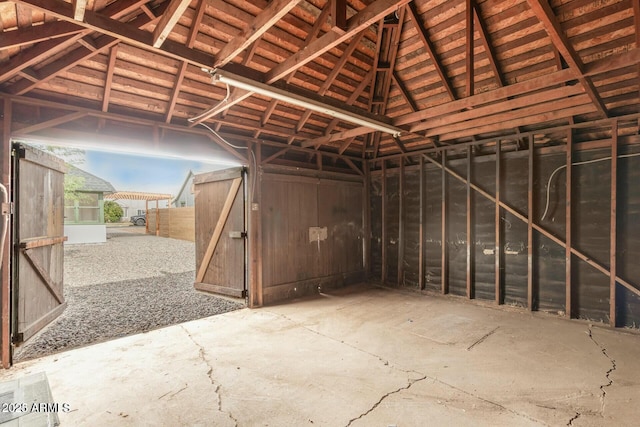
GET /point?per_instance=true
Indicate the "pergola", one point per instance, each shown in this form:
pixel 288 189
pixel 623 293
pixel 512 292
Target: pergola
pixel 147 197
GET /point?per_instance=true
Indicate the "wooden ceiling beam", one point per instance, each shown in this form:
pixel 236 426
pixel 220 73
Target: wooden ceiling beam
pixel 554 110
pixel 488 47
pixel 469 49
pixel 125 32
pixel 362 20
pixel 338 136
pixel 52 123
pixel 636 23
pixel 317 47
pixel 109 77
pixel 505 106
pixel 338 15
pixel 315 30
pixel 545 14
pixel 191 39
pixel 37 54
pixel 356 93
pixel 169 19
pixel 41 33
pixel 426 42
pixel 79 8
pixel 333 74
pixel 626 59
pixel 404 92
pixel 73 58
pixel 122 8
pixel 274 11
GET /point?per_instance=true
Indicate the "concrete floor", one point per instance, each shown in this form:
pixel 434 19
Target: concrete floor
pixel 361 357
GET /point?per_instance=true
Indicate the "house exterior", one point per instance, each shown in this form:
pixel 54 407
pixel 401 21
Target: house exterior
pixel 84 213
pixel 186 195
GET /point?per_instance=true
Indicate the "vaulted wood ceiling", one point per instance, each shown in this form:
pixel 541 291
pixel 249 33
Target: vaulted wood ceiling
pixel 447 72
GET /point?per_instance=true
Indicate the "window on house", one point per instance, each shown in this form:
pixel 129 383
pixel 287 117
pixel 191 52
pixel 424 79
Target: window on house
pixel 85 209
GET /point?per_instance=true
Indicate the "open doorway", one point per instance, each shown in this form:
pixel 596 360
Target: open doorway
pixel 140 276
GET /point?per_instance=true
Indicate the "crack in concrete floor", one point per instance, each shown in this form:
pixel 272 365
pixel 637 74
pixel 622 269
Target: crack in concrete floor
pixel 375 405
pixel 217 387
pixel 423 375
pixel 603 394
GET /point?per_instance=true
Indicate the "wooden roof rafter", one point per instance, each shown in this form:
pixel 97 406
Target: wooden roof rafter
pixel 363 19
pixel 269 16
pixel 113 54
pixel 81 53
pixel 545 14
pixel 384 66
pixel 169 20
pixel 313 34
pixel 30 35
pixel 191 39
pixel 428 45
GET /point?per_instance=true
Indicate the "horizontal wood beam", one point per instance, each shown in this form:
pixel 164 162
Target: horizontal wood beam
pixel 38 34
pixel 492 110
pixel 613 62
pixel 546 15
pixel 338 136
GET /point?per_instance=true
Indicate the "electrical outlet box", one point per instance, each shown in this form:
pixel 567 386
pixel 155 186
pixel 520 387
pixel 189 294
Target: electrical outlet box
pixel 317 234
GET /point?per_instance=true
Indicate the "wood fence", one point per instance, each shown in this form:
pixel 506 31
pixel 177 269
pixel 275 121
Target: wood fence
pixel 176 223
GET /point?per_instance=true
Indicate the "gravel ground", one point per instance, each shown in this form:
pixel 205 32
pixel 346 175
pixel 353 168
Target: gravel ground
pixel 131 284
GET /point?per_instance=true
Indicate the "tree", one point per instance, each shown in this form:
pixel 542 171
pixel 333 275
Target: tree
pixel 112 211
pixel 71 186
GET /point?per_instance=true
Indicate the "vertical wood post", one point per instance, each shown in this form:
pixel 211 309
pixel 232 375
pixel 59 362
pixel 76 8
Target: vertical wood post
pixel 255 228
pixel 422 227
pixel 445 250
pixel 498 248
pixel 401 223
pixel 470 236
pixel 157 218
pixel 530 271
pixel 5 292
pixel 568 226
pixel 614 237
pixel 146 216
pixel 383 268
pixel 366 219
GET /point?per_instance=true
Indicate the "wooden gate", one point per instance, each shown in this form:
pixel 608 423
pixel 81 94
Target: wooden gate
pixel 220 232
pixel 37 291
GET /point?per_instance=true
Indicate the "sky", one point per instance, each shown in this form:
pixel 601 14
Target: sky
pixel 128 172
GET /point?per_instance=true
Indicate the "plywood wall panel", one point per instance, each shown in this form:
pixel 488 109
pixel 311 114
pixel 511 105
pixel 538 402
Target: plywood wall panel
pixel 392 217
pixel 628 247
pixel 295 263
pixel 375 200
pixel 457 235
pixel 484 173
pixel 433 229
pixel 411 200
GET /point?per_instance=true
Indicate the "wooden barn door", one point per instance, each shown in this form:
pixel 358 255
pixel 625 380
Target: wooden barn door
pixel 37 292
pixel 220 232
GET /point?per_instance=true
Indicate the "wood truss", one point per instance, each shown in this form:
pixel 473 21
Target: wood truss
pixel 448 72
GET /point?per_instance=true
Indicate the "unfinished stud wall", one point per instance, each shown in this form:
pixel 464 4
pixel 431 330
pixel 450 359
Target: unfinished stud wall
pixel 408 230
pixel 312 231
